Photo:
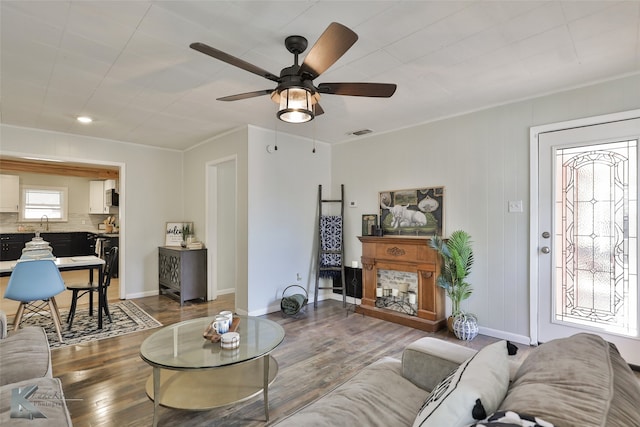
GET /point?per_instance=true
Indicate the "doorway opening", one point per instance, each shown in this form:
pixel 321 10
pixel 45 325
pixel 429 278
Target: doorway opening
pixel 81 220
pixel 221 226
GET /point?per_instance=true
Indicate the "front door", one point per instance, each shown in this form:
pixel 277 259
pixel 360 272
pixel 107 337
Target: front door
pixel 587 234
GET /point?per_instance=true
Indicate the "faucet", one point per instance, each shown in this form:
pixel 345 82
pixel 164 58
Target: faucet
pixel 47 227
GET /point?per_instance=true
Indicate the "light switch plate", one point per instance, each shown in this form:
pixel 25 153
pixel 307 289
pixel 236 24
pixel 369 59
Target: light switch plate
pixel 515 206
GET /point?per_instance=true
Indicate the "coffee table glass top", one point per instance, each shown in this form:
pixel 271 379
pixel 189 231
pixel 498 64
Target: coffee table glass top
pixel 182 346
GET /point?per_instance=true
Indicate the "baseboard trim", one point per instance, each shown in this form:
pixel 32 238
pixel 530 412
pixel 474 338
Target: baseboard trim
pixel 142 294
pixel 503 335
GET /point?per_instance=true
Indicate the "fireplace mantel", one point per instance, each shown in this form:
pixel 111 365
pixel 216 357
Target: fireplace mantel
pixel 403 254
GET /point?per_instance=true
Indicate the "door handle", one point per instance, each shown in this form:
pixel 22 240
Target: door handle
pixel 545 250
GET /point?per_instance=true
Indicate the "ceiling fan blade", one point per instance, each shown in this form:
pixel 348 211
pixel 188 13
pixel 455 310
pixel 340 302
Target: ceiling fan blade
pixel 331 45
pixel 246 95
pixel 229 59
pixel 376 90
pixel 317 109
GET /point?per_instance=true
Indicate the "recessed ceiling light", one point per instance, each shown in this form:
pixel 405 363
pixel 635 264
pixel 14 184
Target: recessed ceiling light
pixel 84 119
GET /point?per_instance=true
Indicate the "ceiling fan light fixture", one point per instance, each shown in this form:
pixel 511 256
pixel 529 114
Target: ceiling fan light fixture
pixel 296 105
pixel 296 95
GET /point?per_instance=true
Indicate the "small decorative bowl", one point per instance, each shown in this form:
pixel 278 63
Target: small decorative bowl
pixel 230 340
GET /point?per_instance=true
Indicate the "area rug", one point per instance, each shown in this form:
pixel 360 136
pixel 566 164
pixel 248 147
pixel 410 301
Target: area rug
pixel 126 315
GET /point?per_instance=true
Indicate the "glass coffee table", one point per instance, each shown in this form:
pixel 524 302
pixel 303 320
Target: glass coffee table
pixel 179 354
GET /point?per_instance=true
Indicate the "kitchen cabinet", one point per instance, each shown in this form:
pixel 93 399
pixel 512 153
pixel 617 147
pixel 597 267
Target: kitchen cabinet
pixel 69 244
pixel 182 272
pixel 11 245
pixel 59 242
pixel 83 243
pixel 110 184
pixel 9 193
pixel 77 243
pixel 97 203
pixel 97 197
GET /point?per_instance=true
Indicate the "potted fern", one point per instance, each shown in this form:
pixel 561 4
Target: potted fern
pixel 457 259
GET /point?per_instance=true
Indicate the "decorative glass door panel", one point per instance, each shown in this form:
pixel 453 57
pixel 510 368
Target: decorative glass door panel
pixel 586 233
pixel 595 196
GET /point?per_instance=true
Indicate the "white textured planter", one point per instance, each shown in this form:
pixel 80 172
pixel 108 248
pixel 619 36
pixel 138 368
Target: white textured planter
pixel 465 327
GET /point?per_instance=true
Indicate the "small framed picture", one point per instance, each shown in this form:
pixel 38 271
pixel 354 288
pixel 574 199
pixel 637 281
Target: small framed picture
pixel 369 222
pixel 174 233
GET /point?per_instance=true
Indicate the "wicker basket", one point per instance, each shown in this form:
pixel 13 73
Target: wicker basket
pixel 294 303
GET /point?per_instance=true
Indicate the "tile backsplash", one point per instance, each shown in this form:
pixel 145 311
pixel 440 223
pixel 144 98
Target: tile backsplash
pixel 76 222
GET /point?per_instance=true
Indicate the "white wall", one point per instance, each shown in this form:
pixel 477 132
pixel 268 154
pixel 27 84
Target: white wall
pixel 195 199
pixel 277 203
pixel 77 209
pixel 226 224
pixel 283 202
pixel 77 188
pixel 150 183
pixel 482 159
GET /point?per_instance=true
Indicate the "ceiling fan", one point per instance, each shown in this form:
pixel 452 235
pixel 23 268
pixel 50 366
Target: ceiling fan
pixel 295 91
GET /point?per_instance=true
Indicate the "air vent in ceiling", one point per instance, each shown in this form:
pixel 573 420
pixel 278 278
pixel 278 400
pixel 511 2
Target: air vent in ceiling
pixel 360 132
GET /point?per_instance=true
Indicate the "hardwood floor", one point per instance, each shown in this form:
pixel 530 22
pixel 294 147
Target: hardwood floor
pixel 104 381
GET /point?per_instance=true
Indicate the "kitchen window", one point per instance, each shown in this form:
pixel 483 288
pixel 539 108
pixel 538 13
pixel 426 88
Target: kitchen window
pixel 38 202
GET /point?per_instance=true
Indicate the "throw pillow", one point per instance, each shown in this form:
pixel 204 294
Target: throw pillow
pixel 477 388
pixel 511 419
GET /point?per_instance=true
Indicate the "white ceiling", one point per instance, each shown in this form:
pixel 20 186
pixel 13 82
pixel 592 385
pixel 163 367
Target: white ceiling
pixel 128 63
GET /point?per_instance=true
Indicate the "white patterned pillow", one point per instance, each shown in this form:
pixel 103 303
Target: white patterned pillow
pixel 478 386
pixel 511 419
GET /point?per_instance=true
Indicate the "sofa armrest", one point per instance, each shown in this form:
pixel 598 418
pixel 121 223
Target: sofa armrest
pixel 25 354
pixel 428 361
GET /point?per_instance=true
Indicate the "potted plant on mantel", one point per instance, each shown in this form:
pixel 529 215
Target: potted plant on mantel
pixel 457 259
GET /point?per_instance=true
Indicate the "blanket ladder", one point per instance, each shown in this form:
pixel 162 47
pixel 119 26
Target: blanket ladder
pixel 328 252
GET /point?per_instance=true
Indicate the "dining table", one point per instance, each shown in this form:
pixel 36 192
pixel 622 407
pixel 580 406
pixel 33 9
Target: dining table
pixel 74 263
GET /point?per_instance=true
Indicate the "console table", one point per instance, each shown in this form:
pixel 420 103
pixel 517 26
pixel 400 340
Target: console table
pixel 182 272
pixel 407 254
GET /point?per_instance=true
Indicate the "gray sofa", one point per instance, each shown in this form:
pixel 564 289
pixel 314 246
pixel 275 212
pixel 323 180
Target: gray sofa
pixel 25 362
pixel 576 381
